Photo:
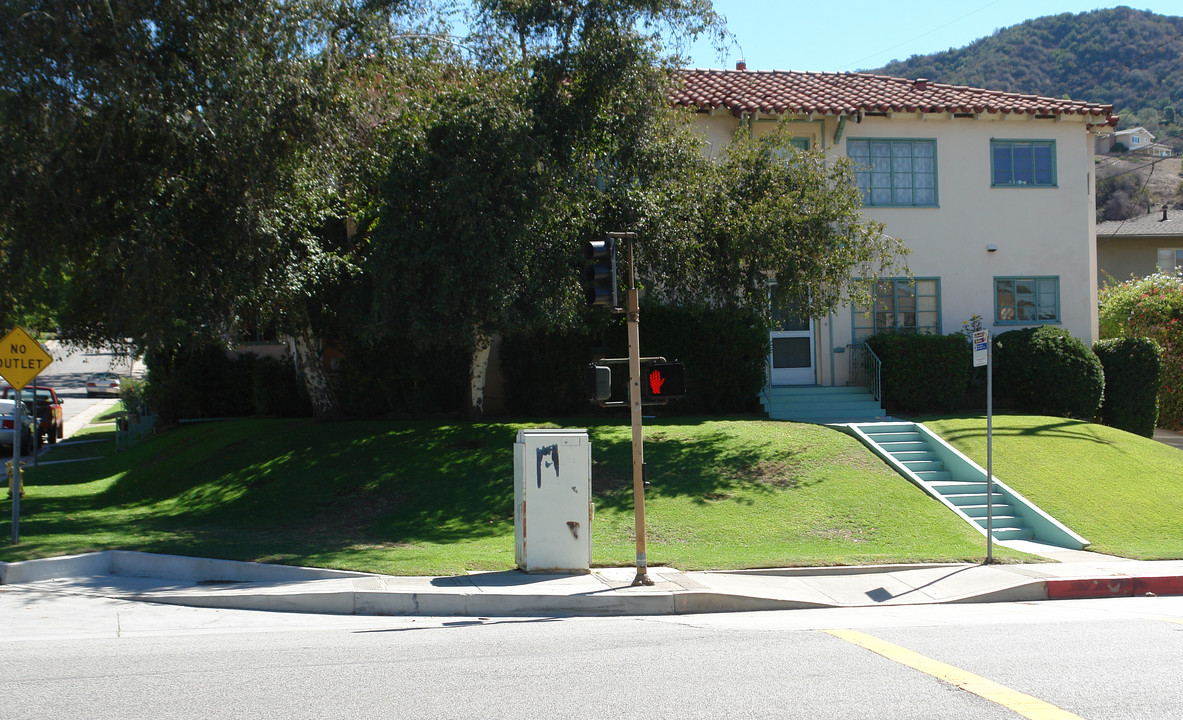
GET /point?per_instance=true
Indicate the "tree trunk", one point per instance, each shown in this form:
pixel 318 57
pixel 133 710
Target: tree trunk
pixel 479 372
pixel 316 380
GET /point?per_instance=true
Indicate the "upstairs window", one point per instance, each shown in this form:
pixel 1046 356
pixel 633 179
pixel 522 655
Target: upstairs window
pixel 1023 163
pixel 899 173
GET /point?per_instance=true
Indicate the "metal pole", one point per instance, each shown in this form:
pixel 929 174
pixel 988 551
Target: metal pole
pixel 16 470
pixel 634 397
pixel 989 451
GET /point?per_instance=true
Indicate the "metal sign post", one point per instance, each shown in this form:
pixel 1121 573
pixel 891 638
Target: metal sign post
pixel 16 482
pixel 982 356
pixel 21 359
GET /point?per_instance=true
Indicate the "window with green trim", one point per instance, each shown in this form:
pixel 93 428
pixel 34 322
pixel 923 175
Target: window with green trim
pixel 901 173
pixel 1023 163
pixel 1026 300
pixel 901 306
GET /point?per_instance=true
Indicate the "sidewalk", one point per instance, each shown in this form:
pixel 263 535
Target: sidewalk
pixel 605 591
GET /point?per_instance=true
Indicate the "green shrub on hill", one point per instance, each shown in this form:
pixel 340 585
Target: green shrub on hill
pixel 1132 367
pixel 1046 370
pixel 1151 307
pixel 922 372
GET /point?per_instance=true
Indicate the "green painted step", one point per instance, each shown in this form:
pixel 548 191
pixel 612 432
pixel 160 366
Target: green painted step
pixel 928 461
pixel 820 404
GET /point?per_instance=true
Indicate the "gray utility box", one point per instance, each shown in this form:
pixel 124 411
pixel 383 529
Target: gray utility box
pixel 552 505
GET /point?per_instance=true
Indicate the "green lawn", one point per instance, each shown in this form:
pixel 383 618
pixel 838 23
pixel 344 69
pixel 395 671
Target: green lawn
pixel 422 498
pixel 1122 492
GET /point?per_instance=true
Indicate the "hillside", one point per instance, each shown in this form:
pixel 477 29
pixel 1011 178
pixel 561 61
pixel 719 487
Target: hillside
pixel 1132 59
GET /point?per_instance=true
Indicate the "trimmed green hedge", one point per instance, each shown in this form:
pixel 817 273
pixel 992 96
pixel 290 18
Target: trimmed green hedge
pixel 725 351
pixel 1133 368
pixel 208 382
pixel 1046 370
pixel 921 372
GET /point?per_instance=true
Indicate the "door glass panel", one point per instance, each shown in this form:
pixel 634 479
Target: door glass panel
pixel 791 352
pixel 791 320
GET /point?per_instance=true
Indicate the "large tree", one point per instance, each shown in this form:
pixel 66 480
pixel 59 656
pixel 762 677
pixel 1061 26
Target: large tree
pixel 562 130
pixel 170 168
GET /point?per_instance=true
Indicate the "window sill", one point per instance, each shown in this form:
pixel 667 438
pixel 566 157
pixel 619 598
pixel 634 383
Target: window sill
pixel 1028 322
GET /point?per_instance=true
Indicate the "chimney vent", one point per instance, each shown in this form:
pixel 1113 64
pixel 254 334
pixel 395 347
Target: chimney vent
pixel 920 84
pixel 1164 212
pixel 741 65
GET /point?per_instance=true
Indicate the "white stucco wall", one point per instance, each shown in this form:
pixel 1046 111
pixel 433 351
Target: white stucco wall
pixel 1036 231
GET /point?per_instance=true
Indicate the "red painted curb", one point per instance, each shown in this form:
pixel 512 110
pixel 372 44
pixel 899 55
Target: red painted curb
pixel 1170 585
pixel 1073 589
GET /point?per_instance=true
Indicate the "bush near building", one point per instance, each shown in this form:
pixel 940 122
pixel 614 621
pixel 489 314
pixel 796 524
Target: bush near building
pixel 922 373
pixel 1151 307
pixel 1046 370
pixel 1132 368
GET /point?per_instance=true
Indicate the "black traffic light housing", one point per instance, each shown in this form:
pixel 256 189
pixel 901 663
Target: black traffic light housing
pixel 663 380
pixel 599 278
pixel 598 382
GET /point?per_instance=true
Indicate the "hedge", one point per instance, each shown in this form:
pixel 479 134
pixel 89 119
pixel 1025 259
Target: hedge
pixel 725 351
pixel 207 382
pixel 1046 370
pixel 922 372
pixel 1133 369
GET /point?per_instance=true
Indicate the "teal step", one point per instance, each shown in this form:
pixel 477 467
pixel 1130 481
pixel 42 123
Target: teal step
pixel 922 457
pixel 820 404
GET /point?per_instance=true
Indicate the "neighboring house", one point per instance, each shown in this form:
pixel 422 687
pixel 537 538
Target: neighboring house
pixel 1141 245
pixel 993 192
pixel 1139 141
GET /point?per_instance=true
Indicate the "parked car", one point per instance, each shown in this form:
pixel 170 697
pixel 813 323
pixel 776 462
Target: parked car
pixel 7 422
pixel 49 410
pixel 104 383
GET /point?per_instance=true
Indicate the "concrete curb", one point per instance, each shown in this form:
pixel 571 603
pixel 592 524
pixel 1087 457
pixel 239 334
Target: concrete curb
pixel 225 584
pixel 127 563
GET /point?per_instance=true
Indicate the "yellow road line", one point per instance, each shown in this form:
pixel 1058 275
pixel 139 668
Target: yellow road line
pixel 1025 705
pixel 1177 621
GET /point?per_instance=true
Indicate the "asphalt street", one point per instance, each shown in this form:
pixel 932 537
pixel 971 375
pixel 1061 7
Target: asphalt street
pixel 99 658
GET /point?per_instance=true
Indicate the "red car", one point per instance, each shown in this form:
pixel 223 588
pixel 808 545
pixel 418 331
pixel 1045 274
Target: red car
pixel 49 410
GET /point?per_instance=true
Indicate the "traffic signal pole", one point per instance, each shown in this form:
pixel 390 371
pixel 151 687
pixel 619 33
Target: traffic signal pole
pixel 634 398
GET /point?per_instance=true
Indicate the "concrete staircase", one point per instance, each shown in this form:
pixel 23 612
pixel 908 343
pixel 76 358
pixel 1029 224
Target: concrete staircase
pixel 928 461
pixel 822 405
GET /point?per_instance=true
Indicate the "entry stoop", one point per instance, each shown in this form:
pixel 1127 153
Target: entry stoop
pixel 822 405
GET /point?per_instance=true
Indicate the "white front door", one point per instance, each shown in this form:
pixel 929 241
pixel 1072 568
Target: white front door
pixel 792 352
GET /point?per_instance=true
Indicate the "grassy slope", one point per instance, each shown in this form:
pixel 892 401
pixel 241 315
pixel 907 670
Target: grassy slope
pixel 429 498
pixel 1120 491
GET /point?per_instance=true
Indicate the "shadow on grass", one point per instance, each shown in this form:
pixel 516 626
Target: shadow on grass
pixel 1066 429
pixel 707 468
pixel 253 488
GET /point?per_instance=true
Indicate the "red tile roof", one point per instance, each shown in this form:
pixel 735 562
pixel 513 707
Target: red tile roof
pixel 777 92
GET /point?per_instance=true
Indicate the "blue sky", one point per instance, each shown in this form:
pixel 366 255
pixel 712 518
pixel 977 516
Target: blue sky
pixel 864 34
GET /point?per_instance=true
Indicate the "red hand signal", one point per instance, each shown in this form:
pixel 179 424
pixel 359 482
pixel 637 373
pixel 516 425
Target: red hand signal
pixel 656 381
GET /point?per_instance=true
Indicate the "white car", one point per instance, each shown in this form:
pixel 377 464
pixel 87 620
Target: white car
pixel 104 383
pixel 28 425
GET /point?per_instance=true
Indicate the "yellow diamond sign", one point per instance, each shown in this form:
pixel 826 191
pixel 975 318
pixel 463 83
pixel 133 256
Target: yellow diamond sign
pixel 21 358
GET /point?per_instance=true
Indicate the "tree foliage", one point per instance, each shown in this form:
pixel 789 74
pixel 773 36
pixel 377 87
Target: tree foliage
pixel 1151 307
pixel 169 166
pixel 176 169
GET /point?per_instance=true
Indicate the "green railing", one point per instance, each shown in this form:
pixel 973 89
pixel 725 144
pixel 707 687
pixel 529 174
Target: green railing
pixel 865 368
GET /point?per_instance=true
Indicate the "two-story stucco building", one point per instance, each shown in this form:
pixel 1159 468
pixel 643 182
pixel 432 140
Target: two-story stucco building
pixel 993 193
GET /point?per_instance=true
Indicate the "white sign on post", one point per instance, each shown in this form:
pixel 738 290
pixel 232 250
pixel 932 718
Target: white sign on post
pixel 981 347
